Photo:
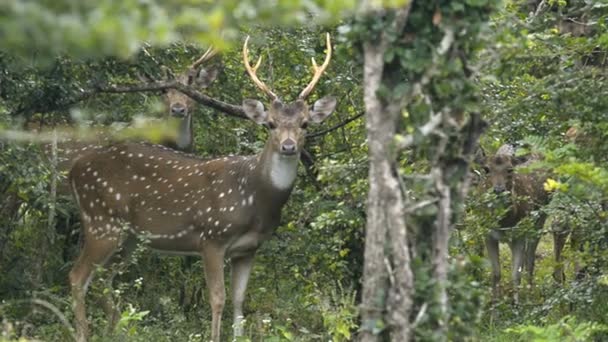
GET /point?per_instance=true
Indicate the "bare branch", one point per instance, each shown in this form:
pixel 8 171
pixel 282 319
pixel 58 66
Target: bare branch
pixel 340 125
pixel 415 207
pixel 425 130
pixel 226 108
pixel 420 315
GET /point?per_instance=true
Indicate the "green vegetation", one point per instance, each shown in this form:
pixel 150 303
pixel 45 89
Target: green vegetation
pixel 535 71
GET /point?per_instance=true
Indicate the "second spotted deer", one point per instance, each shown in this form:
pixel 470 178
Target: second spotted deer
pixel 217 209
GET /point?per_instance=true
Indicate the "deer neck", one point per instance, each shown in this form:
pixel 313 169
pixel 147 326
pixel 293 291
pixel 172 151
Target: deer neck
pixel 184 134
pixel 277 173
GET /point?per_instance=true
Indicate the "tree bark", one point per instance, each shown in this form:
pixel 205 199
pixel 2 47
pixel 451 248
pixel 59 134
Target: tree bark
pixel 375 274
pixel 387 276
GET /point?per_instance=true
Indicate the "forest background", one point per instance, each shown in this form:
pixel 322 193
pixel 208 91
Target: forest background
pixel 531 69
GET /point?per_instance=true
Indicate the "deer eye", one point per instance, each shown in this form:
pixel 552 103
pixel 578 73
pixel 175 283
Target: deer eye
pixel 304 125
pixel 271 125
pixel 510 170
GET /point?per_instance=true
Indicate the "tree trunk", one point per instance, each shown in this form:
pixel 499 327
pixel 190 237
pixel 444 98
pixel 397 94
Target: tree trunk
pixel 387 277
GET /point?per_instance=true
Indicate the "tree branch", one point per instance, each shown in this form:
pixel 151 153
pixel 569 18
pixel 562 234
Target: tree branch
pixel 331 129
pixel 425 130
pixel 226 108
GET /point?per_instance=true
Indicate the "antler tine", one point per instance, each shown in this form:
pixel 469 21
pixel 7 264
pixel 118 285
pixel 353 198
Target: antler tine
pixel 252 71
pixel 210 53
pixel 318 71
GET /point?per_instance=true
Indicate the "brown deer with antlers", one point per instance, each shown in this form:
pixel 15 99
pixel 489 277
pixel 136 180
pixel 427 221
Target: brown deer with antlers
pixel 220 208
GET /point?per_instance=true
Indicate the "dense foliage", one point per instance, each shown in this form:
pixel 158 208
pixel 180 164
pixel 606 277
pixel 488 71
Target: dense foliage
pixel 538 70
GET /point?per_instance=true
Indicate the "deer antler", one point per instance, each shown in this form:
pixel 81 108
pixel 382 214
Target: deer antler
pixel 318 71
pixel 251 71
pixel 210 53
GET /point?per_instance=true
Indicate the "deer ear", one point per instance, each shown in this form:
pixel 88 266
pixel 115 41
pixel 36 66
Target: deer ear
pixel 206 76
pixel 254 109
pixel 167 73
pixel 322 109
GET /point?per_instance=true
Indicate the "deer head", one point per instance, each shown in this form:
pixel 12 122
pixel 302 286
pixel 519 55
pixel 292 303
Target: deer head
pixel 501 166
pixel 179 104
pixel 288 122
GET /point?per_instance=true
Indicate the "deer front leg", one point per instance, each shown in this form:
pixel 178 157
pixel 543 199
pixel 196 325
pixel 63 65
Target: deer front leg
pixel 530 255
pixel 241 270
pixel 213 261
pixel 492 247
pixel 518 248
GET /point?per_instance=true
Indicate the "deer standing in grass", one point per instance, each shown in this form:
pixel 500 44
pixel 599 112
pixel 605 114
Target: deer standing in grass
pixel 526 194
pixel 220 208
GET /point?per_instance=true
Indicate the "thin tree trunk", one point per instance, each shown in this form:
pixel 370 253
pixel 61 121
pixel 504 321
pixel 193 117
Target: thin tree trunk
pixel 399 301
pixel 387 277
pixel 375 275
pixel 440 247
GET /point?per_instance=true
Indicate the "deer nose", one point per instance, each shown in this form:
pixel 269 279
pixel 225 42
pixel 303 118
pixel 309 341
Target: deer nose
pixel 178 110
pixel 499 189
pixel 288 147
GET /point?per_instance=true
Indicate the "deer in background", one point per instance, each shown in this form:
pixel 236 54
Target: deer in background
pixel 217 209
pixel 526 194
pixel 180 105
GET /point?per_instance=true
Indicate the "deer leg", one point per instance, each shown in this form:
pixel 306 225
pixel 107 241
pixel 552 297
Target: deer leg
pixel 577 247
pixel 108 305
pixel 93 253
pixel 530 258
pixel 241 270
pixel 517 255
pixel 493 250
pixel 213 261
pixel 559 241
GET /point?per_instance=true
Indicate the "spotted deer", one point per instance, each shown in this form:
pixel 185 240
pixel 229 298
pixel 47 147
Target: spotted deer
pixel 217 209
pixel 526 194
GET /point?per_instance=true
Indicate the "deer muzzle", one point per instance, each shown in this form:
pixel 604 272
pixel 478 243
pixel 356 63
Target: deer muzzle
pixel 499 189
pixel 178 110
pixel 289 147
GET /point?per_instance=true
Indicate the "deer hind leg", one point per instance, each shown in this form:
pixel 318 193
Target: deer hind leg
pixel 493 255
pixel 108 305
pixel 213 261
pixel 241 270
pixel 94 252
pixel 559 241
